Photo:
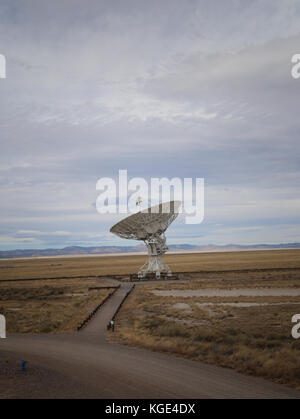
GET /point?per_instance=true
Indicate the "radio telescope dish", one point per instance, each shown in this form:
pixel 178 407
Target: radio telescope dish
pixel 149 226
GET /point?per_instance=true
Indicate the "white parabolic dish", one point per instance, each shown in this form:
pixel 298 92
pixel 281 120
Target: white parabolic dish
pixel 149 226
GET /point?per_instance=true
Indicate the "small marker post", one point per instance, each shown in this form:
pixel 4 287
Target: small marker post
pixel 23 365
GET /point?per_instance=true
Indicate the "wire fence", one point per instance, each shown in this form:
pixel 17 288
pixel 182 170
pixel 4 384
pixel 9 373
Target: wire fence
pixel 119 306
pixel 92 313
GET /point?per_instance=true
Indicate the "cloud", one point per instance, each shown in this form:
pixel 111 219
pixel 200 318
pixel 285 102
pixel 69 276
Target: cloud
pixel 188 89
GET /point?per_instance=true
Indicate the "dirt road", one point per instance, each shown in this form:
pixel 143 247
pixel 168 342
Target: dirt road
pixel 92 367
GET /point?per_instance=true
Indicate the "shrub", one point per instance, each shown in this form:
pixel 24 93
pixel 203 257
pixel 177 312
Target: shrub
pixel 172 330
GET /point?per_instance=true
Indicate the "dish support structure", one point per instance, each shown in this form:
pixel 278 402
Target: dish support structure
pixel 156 245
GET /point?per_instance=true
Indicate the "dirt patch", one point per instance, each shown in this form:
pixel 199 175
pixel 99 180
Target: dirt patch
pixel 35 382
pixel 221 292
pixel 182 306
pixel 245 304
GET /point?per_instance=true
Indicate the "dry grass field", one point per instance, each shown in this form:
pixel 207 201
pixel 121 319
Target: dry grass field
pixel 249 334
pixel 207 265
pixel 49 306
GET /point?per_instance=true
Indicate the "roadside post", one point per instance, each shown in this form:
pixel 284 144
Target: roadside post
pixel 23 365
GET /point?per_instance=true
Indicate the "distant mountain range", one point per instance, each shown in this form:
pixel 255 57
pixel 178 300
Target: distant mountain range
pixel 106 250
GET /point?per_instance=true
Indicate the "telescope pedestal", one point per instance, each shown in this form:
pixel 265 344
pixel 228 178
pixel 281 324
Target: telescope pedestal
pixel 157 247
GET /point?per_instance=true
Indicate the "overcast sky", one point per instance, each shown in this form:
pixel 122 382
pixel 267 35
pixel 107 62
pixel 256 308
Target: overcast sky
pixel 160 88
